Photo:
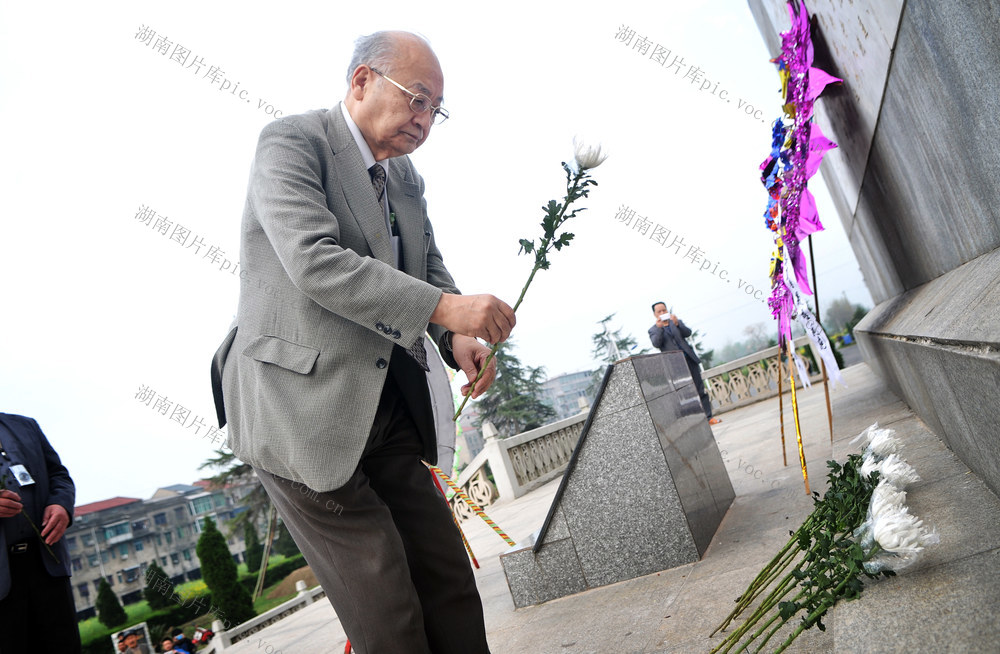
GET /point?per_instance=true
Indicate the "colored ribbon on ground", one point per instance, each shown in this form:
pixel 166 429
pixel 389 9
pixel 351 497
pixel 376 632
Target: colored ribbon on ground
pixel 472 505
pixel 465 541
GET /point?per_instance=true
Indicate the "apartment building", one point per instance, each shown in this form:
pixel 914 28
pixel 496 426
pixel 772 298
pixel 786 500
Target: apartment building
pixel 118 538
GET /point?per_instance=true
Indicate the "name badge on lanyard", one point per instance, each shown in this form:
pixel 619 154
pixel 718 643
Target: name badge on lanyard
pixel 22 475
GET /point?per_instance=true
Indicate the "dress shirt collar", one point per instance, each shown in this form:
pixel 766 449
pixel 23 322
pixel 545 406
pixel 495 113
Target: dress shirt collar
pixel 366 152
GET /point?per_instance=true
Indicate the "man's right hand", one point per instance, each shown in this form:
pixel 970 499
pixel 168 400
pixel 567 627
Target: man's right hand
pixel 10 503
pixel 479 316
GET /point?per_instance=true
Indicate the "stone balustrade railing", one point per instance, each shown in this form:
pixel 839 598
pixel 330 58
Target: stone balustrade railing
pixel 225 639
pixel 524 462
pixel 519 464
pixel 730 386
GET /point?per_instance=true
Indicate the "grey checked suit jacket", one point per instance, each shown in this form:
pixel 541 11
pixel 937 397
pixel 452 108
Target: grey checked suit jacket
pixel 300 374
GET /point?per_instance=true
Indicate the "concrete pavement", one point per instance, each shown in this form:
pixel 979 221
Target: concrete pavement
pixel 947 602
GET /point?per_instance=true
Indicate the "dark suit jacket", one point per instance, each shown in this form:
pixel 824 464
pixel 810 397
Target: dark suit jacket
pixel 26 444
pixel 321 302
pixel 672 337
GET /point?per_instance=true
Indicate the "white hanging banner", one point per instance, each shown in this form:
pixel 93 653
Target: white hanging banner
pixel 801 367
pixel 813 329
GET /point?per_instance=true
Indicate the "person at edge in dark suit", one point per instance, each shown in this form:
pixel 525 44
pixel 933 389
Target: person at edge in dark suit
pixel 37 613
pixel 669 333
pixel 322 375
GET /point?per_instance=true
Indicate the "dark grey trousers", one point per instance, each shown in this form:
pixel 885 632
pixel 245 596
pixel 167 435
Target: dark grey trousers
pixel 706 401
pixel 384 546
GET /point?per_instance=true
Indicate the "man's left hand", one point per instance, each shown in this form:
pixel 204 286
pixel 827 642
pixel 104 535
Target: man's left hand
pixel 54 523
pixel 470 354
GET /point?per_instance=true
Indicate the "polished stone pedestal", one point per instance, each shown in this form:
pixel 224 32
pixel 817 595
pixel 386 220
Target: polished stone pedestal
pixel 645 490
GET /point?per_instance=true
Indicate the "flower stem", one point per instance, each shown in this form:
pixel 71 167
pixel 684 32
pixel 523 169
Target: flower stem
pixel 493 350
pixel 812 616
pixel 543 249
pixel 39 534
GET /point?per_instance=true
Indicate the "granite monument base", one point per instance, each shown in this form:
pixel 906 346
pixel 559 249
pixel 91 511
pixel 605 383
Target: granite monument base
pixel 645 490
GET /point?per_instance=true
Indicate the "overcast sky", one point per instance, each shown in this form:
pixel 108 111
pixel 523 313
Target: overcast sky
pixel 98 124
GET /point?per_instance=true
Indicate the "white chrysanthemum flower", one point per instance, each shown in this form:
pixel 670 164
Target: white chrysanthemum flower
pixel 886 498
pixel 898 472
pixel 865 435
pixel 882 443
pixel 901 533
pixel 587 157
pixel 878 442
pixel 892 469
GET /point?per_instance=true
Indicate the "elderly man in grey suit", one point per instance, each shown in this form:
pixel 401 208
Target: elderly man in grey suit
pixel 670 333
pixel 322 374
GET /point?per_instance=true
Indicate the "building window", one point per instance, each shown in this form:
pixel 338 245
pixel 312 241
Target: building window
pixel 160 519
pixel 180 532
pixel 97 585
pixel 84 590
pixel 87 540
pixel 141 524
pixel 71 542
pixel 138 546
pixel 163 560
pixel 92 560
pixel 123 550
pixel 170 537
pixel 174 558
pixel 104 557
pixel 201 505
pixel 179 513
pixel 77 564
pixel 120 577
pixel 187 555
pixel 111 580
pixel 220 501
pixel 116 530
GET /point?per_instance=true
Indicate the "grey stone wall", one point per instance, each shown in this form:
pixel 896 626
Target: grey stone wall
pixel 917 192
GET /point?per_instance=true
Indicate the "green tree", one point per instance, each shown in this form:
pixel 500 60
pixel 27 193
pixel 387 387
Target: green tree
pixel 610 346
pixel 283 542
pixel 514 402
pixel 859 313
pixel 254 549
pixel 109 609
pixel 234 473
pixel 159 588
pixel 697 342
pixel 840 312
pixel 219 572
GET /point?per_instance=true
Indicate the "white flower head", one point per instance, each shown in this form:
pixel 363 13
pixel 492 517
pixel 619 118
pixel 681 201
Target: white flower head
pixel 901 533
pixel 892 469
pixel 886 498
pixel 879 442
pixel 587 157
pixel 898 472
pixel 882 443
pixel 865 435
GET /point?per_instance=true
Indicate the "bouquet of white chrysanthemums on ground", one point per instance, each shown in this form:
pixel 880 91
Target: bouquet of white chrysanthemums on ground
pixel 861 527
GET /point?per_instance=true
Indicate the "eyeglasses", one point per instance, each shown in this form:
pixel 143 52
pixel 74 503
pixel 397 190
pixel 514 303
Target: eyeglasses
pixel 419 102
